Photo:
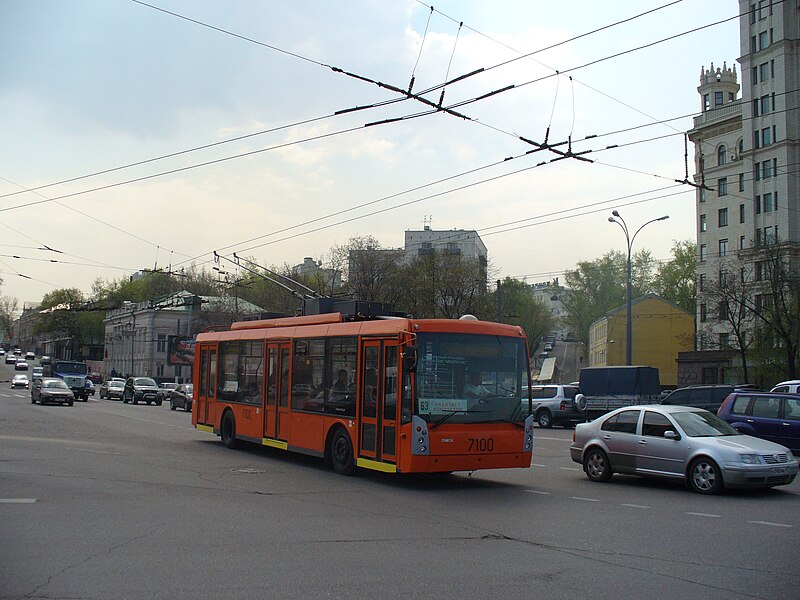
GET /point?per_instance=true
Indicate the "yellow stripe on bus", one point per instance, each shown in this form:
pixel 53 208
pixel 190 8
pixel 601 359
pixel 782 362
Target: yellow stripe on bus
pixel 375 465
pixel 205 428
pixel 275 443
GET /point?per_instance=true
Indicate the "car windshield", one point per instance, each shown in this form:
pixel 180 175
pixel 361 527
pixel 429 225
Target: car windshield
pixel 466 378
pixel 189 388
pixel 701 423
pixel 144 382
pixel 55 384
pixel 116 384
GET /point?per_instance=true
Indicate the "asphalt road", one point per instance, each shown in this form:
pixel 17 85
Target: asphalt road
pixel 104 500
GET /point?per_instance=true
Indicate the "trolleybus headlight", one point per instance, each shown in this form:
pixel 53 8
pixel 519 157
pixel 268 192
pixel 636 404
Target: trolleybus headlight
pixel 420 440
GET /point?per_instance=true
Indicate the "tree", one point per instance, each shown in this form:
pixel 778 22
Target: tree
pixel 373 273
pixel 8 307
pixel 520 307
pixel 675 280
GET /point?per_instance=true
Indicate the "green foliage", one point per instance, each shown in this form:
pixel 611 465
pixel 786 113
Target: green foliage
pixel 675 280
pixel 520 307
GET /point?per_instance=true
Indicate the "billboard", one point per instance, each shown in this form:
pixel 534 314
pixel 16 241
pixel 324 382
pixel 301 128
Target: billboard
pixel 180 350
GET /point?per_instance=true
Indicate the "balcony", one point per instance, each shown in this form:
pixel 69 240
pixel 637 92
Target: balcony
pixel 720 113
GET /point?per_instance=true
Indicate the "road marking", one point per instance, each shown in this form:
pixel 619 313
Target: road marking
pixel 696 514
pixel 538 492
pixel 569 468
pixel 537 465
pixel 584 499
pixel 17 500
pixel 770 524
pixel 552 439
pixel 635 505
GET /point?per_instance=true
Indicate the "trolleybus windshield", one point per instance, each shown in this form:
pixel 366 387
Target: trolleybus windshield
pixel 467 378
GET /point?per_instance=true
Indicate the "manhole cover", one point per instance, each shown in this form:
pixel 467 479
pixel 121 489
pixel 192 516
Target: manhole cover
pixel 248 471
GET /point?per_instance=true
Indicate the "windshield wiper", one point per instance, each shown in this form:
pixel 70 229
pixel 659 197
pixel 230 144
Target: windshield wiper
pixel 517 423
pixel 441 420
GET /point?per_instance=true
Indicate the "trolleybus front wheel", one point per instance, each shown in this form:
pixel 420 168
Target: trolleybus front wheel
pixel 228 430
pixel 341 452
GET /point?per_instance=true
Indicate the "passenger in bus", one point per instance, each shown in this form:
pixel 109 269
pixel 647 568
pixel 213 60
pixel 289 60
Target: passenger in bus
pixel 473 387
pixel 341 383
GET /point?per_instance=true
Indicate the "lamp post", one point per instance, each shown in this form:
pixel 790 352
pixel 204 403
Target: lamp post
pixel 617 218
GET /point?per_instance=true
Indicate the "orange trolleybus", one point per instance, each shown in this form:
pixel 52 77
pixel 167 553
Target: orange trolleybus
pixel 398 395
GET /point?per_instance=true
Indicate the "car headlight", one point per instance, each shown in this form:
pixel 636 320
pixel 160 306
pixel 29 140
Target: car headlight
pixel 750 459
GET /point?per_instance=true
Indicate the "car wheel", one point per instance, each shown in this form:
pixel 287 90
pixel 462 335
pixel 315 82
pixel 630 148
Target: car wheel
pixel 704 476
pixel 545 419
pixel 172 404
pixel 228 431
pixel 341 452
pixel 596 465
pixel 70 403
pixel 158 402
pixel 33 400
pixel 187 407
pixel 134 400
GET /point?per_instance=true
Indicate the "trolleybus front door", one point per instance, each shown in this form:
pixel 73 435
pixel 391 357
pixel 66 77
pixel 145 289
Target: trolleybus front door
pixel 276 409
pixel 379 408
pixel 205 405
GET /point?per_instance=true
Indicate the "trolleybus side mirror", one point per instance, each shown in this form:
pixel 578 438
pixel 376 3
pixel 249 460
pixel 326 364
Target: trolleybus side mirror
pixel 409 359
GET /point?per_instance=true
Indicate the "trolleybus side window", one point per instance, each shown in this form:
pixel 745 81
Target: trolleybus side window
pixel 308 368
pixel 251 371
pixel 342 356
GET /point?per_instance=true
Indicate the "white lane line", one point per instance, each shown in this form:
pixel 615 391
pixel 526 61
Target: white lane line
pixel 584 499
pixel 770 524
pixel 537 465
pixel 552 439
pixel 569 468
pixel 17 500
pixel 696 514
pixel 635 505
pixel 538 492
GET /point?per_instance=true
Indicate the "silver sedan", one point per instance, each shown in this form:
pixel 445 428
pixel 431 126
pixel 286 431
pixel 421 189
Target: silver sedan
pixel 679 442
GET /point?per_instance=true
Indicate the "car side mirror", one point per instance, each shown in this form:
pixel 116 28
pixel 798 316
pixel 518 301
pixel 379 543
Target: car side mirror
pixel 671 435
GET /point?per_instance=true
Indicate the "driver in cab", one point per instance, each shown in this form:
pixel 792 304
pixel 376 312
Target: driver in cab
pixel 473 387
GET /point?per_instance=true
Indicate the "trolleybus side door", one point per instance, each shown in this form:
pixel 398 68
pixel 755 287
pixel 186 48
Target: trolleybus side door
pixel 276 409
pixel 205 405
pixel 379 407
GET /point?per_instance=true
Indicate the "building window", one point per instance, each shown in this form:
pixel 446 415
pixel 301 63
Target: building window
pixel 723 278
pixel 722 186
pixel 752 14
pixel 758 205
pixel 703 252
pixel 757 172
pixel 742 242
pixel 721 155
pixel 703 225
pixel 161 344
pixel 702 194
pixel 768 202
pixel 718 99
pixel 756 139
pixel 754 106
pixel 723 217
pixel 766 136
pixel 703 313
pixel 706 102
pixel 701 282
pixel 769 236
pixel 741 182
pixel 766 169
pixel 724 340
pixel 765 103
pixel 753 47
pixel 775 203
pixel 741 147
pixel 723 248
pixel 722 311
pixel 159 370
pixel 772 68
pixel 763 40
pixel 741 213
pixel 763 70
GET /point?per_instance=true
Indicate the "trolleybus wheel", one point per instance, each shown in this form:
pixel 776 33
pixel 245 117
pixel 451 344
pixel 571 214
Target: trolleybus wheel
pixel 341 452
pixel 228 431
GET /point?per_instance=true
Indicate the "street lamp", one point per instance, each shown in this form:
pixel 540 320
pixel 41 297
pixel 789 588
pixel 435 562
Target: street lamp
pixel 629 239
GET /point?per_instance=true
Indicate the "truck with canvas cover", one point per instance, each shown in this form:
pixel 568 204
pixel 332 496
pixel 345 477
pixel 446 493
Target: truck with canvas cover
pixel 604 389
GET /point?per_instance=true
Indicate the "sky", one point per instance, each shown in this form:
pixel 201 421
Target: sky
pixel 138 136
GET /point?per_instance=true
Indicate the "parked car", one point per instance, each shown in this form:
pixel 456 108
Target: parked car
pixel 20 381
pixel 680 443
pixel 164 389
pixel 708 397
pixel 771 416
pixel 10 359
pixel 112 389
pixel 89 386
pixel 51 390
pixel 30 355
pixel 182 396
pixel 554 404
pixel 141 389
pixel 21 365
pixel 787 387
